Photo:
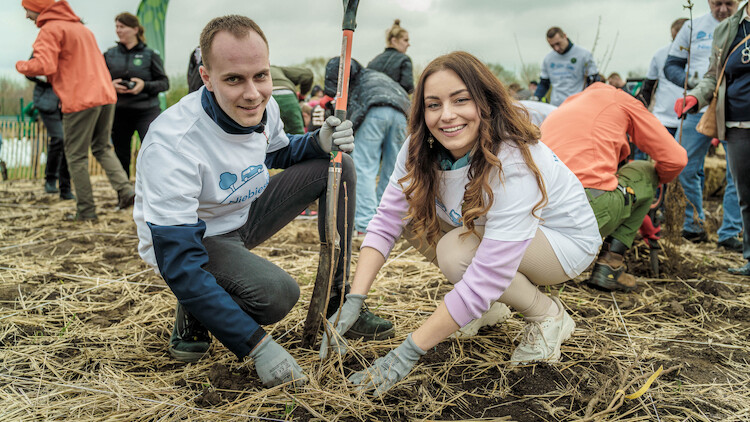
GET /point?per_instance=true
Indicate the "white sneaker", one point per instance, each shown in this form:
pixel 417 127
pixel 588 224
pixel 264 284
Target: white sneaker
pixel 541 339
pixel 497 313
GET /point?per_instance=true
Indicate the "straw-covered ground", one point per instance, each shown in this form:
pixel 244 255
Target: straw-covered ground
pixel 84 327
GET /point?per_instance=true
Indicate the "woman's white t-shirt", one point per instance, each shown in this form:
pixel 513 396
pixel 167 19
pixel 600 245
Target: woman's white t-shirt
pixel 567 220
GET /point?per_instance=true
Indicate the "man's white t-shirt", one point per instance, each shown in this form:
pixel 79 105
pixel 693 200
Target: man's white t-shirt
pixel 700 47
pixel 538 111
pixel 567 220
pixel 567 72
pixel 666 93
pixel 189 169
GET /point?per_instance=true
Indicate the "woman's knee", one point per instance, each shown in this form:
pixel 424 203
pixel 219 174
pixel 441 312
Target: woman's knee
pixel 455 252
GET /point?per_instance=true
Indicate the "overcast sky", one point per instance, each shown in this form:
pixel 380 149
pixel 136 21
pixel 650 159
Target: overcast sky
pixel 298 29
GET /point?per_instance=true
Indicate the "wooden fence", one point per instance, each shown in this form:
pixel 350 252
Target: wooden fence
pixel 24 150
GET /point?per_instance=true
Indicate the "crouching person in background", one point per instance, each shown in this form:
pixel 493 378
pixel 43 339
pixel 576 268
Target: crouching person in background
pixel 204 197
pixel 590 133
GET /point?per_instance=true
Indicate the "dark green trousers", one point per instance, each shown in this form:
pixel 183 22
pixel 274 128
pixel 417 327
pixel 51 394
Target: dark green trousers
pixel 614 216
pixel 291 114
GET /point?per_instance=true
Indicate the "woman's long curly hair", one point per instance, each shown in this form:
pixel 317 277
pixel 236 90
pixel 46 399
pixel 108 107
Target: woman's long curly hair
pixel 501 121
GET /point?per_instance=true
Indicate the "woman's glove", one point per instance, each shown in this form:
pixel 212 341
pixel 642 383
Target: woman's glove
pixel 388 370
pixel 682 107
pixel 275 365
pixel 334 131
pixel 347 316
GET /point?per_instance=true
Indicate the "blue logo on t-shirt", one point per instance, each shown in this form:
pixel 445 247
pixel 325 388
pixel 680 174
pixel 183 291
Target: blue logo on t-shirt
pixel 453 214
pixel 701 34
pixel 227 181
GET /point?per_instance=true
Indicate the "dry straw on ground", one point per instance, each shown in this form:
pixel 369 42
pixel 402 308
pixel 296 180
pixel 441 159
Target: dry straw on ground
pixel 84 327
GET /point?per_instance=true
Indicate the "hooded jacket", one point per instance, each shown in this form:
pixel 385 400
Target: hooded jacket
pixel 139 62
pixel 367 88
pixel 67 53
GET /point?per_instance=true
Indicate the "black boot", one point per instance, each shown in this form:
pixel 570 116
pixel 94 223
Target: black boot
pixel 190 339
pixel 609 270
pixel 368 326
pixel 50 186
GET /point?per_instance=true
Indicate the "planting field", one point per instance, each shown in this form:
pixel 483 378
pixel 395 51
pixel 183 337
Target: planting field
pixel 84 326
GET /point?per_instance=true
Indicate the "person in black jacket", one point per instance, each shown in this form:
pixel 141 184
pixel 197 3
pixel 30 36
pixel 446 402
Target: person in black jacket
pixel 377 107
pixel 193 73
pixel 393 61
pixel 138 77
pixel 48 104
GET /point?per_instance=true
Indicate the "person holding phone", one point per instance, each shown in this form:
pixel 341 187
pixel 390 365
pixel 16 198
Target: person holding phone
pixel 138 77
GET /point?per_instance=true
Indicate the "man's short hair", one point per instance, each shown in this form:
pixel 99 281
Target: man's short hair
pixel 554 31
pixel 238 26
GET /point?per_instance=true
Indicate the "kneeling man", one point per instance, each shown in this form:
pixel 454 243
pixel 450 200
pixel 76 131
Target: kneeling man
pixel 204 197
pixel 589 132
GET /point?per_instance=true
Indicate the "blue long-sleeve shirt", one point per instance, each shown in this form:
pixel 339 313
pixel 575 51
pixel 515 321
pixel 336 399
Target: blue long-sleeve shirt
pixel 674 70
pixel 181 256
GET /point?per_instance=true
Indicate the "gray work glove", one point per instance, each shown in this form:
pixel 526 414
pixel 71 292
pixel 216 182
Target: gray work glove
pixel 348 316
pixel 334 131
pixel 275 365
pixel 388 370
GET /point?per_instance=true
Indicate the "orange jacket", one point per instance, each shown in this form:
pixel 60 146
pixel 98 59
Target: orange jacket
pixel 66 52
pixel 589 133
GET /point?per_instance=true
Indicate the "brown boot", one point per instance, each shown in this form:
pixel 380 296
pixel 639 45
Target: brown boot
pixel 609 270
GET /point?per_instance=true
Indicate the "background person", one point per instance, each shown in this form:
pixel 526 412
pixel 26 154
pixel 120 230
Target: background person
pixel 67 53
pixel 732 108
pixel 538 111
pixel 393 61
pixel 494 240
pixel 567 69
pixel 316 94
pixel 138 77
pixel 589 132
pixel 615 80
pixel 285 82
pixel 696 143
pixel 666 92
pixel 193 73
pixel 377 107
pixel 48 105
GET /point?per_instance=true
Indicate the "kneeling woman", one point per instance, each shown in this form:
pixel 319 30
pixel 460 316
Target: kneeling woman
pixel 494 209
